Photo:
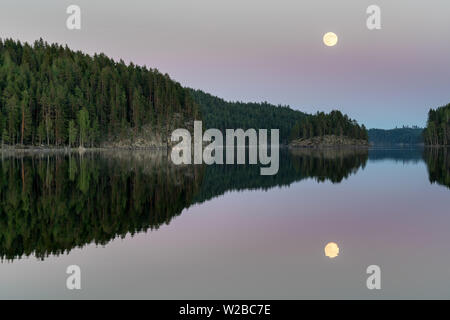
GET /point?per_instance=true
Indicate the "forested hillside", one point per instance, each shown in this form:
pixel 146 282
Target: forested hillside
pixel 293 124
pixel 221 114
pixel 405 135
pixel 437 131
pixel 52 95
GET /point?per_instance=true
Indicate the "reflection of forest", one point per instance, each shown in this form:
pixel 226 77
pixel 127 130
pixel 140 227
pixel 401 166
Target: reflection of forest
pixel 438 163
pixel 398 154
pixel 295 165
pixel 54 202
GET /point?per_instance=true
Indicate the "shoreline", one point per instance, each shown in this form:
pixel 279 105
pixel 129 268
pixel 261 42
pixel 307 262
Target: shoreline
pixel 23 149
pixel 78 150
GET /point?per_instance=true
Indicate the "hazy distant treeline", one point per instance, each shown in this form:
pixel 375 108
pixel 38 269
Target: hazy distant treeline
pixel 405 135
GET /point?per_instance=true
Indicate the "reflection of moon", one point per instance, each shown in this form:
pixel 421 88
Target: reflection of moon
pixel 330 39
pixel 331 250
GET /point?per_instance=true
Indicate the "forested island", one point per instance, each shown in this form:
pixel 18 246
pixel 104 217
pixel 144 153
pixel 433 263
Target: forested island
pixel 437 132
pixel 52 96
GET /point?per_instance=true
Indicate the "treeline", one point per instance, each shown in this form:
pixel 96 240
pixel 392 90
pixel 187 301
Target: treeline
pixel 437 131
pixel 405 135
pixel 52 95
pixel 220 114
pixel 333 123
pixel 293 124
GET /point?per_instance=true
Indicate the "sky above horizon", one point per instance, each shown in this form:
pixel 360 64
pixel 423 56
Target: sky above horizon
pixel 268 50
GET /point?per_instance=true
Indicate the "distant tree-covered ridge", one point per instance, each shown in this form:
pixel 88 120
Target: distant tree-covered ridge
pixel 293 124
pixel 52 95
pixel 404 135
pixel 437 131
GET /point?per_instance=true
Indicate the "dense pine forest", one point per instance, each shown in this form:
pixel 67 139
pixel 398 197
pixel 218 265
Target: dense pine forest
pixel 333 123
pixel 405 135
pixel 293 124
pixel 221 114
pixel 51 95
pixel 437 131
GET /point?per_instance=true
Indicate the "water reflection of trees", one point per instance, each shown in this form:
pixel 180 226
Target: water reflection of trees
pixel 295 165
pixel 52 203
pixel 406 154
pixel 438 164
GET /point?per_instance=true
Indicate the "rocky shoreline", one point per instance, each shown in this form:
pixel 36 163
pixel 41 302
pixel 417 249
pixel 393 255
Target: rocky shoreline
pixel 315 142
pixel 328 141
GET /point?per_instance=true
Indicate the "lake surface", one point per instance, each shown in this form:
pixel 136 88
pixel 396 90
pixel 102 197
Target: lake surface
pixel 140 227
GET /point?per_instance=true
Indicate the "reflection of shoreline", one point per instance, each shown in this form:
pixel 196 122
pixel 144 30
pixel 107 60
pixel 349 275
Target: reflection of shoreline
pixel 334 165
pixel 51 204
pixel 54 202
pixel 438 164
pixel 37 150
pixel 436 158
pixel 404 154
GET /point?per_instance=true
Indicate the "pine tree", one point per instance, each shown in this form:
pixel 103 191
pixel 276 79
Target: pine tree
pixel 26 121
pixel 84 125
pixel 73 132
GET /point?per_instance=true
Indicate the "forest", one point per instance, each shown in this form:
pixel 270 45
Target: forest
pixel 293 124
pixel 333 123
pixel 437 131
pixel 51 95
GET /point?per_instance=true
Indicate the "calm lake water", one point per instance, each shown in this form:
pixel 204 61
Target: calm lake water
pixel 140 227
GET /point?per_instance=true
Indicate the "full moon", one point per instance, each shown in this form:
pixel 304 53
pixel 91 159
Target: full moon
pixel 331 250
pixel 330 39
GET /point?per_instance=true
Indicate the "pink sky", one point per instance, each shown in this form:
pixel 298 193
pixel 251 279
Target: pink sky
pixel 267 50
